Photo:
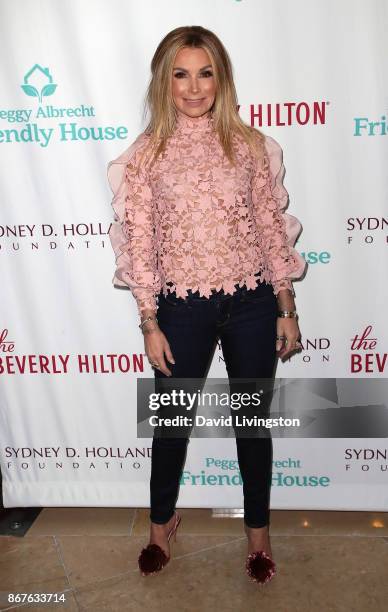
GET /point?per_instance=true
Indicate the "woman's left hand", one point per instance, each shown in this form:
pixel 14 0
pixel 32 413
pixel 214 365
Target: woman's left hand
pixel 288 330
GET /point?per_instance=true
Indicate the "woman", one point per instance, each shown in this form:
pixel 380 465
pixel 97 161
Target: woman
pixel 201 240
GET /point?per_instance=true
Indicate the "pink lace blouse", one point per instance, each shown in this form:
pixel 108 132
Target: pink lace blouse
pixel 196 221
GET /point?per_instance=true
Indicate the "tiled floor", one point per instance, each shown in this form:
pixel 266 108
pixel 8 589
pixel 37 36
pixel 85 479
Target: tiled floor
pixel 327 561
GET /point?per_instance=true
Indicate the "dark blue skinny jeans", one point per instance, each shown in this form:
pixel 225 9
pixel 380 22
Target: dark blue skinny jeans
pixel 245 324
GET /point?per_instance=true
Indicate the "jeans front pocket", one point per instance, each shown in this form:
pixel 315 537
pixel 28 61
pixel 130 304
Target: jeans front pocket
pixel 262 293
pixel 171 300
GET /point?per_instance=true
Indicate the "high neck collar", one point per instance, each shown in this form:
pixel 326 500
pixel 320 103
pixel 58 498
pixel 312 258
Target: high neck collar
pixel 204 123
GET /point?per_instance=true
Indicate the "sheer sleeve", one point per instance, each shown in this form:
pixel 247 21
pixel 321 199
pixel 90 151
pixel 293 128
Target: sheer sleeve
pixel 278 230
pixel 132 233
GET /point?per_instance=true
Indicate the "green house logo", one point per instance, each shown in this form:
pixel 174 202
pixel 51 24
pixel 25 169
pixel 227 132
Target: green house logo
pixel 38 82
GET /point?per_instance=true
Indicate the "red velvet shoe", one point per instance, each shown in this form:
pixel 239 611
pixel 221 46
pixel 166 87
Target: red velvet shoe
pixel 260 567
pixel 152 559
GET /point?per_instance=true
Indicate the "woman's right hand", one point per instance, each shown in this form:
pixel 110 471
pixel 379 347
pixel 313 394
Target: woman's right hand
pixel 157 347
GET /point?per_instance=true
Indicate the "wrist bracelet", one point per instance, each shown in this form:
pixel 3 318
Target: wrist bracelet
pixel 287 314
pixel 150 318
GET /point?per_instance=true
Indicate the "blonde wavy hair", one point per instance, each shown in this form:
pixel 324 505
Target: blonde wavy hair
pixel 159 100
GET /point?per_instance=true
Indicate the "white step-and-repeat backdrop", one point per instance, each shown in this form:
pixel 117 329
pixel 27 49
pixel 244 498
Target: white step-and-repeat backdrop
pixel 314 76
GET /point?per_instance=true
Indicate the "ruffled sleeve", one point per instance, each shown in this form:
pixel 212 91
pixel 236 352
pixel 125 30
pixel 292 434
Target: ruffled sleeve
pixel 278 230
pixel 132 233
